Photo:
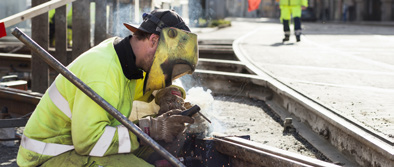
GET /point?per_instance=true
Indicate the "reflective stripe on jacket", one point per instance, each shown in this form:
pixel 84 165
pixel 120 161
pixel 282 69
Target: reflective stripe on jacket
pixel 67 119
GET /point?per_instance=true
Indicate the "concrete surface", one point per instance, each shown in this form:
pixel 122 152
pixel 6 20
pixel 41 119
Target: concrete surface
pixel 348 68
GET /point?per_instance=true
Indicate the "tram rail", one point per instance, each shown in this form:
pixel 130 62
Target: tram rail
pixel 220 71
pixel 340 139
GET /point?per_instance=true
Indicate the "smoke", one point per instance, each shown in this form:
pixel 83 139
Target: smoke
pixel 122 15
pixel 195 12
pixel 204 99
pixel 197 95
pixel 126 14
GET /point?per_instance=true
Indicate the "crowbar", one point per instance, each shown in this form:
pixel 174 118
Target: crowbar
pixel 59 67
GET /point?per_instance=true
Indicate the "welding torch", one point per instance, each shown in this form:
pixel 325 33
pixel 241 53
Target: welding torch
pixel 193 110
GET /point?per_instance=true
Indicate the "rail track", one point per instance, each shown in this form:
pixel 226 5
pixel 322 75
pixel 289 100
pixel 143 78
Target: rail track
pixel 220 70
pixel 340 139
pixel 247 153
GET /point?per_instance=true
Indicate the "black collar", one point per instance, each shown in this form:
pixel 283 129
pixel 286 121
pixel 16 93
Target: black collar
pixel 127 58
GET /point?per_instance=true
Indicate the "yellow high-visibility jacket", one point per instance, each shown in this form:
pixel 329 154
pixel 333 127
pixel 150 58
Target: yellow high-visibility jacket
pixel 289 8
pixel 67 119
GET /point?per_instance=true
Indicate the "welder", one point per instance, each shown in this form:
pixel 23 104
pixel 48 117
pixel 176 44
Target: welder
pixel 288 9
pixel 67 128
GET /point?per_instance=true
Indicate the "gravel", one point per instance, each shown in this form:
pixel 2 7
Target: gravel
pixel 244 116
pixel 8 155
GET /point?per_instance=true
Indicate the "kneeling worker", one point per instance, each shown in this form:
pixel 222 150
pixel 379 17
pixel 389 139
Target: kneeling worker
pixel 67 128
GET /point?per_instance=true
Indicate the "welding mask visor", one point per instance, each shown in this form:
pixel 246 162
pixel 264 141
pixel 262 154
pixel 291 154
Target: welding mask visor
pixel 175 56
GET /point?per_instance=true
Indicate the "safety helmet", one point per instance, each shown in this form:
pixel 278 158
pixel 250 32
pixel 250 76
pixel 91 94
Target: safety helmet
pixel 177 50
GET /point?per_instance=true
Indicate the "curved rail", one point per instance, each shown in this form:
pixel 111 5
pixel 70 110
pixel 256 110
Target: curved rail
pixel 242 79
pixel 346 137
pixel 244 152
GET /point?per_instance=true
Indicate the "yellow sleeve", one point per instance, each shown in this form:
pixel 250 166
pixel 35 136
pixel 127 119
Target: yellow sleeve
pixel 305 3
pixel 91 124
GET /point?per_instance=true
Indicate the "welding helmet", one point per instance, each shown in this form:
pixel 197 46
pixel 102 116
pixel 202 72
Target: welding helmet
pixel 177 50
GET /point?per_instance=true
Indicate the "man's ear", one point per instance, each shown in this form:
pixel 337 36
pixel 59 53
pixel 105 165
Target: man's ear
pixel 154 40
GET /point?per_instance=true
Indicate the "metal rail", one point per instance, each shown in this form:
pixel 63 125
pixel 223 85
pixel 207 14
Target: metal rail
pixel 264 89
pixel 18 102
pixel 15 122
pixel 340 136
pixel 257 154
pixel 346 135
pixel 94 96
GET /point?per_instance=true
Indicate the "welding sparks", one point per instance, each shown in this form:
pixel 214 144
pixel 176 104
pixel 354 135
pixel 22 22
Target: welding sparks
pixel 207 120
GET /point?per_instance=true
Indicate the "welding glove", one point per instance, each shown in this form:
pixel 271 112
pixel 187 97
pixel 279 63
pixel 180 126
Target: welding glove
pixel 166 126
pixel 169 98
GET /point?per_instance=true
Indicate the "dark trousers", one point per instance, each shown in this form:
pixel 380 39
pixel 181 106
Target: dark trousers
pixel 297 24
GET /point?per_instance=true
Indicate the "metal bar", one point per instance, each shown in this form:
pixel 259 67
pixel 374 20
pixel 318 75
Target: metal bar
pixel 18 102
pixel 15 122
pixel 286 157
pixel 239 152
pixel 94 96
pixel 32 12
pixel 10 139
pixel 204 117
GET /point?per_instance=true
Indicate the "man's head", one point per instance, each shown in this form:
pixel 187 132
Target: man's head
pixel 158 19
pixel 167 53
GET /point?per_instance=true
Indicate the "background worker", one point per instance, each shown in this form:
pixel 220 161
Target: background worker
pixel 69 129
pixel 288 9
pixel 51 15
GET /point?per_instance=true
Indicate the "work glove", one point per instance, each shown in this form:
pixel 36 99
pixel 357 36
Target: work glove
pixel 166 126
pixel 169 98
pixel 200 125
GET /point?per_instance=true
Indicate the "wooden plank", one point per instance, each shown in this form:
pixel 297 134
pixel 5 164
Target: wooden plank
pixel 81 27
pixel 15 122
pixel 111 17
pixel 136 11
pixel 114 19
pixel 61 35
pixel 32 12
pixel 19 102
pixel 100 29
pixel 40 34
